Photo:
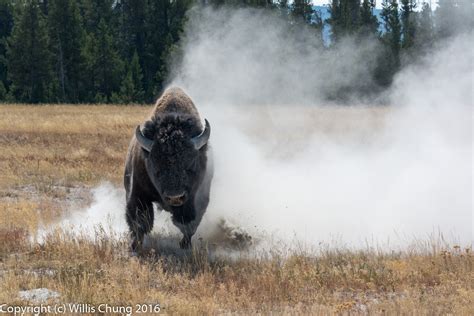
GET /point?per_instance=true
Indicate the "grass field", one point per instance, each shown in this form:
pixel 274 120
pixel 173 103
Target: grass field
pixel 50 153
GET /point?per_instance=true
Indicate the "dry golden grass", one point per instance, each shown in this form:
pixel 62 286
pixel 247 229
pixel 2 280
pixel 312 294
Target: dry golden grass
pixel 66 145
pixel 47 152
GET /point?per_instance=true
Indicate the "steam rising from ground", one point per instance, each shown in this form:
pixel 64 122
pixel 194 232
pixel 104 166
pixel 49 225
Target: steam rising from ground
pixel 323 172
pixel 290 168
pixel 243 56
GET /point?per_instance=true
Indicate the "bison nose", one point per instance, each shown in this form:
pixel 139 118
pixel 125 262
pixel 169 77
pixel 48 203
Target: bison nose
pixel 175 199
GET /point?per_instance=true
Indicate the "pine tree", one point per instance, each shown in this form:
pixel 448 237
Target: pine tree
pixel 425 29
pixel 368 21
pixel 302 16
pixel 131 90
pixel 335 21
pixel 345 18
pixel 388 62
pixel 6 26
pixel 104 65
pixel 137 78
pixel 407 23
pixel 157 26
pixel 29 59
pixel 245 3
pixel 302 10
pixel 390 16
pixel 67 39
pixel 132 19
pixel 95 11
pixel 164 25
pixel 3 91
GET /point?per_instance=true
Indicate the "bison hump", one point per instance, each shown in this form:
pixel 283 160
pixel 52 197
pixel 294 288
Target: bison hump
pixel 175 100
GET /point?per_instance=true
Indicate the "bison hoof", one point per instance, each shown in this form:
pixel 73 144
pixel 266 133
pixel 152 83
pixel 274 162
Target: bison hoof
pixel 185 243
pixel 135 247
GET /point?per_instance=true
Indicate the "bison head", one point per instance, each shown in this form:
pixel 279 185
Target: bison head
pixel 175 159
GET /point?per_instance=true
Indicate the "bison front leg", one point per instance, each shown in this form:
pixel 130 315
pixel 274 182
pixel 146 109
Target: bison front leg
pixel 140 218
pixel 185 242
pixel 188 230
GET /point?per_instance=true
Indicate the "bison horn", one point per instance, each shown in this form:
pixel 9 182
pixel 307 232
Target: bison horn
pixel 146 143
pixel 202 138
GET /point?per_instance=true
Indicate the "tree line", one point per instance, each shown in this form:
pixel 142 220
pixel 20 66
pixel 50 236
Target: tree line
pixel 117 51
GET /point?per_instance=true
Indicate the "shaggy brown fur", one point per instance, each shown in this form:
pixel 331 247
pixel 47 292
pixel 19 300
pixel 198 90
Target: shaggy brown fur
pixel 175 100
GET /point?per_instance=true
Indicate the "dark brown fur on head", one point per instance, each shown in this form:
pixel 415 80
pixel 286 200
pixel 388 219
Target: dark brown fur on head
pixel 175 163
pixel 171 129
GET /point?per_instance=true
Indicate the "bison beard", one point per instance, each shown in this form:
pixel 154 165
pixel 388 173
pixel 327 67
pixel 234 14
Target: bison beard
pixel 167 165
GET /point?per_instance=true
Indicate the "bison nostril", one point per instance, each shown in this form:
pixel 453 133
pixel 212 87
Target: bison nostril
pixel 176 199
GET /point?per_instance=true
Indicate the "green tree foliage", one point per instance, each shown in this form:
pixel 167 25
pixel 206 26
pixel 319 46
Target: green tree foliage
pixel 119 50
pixel 408 23
pixel 165 22
pixel 131 90
pixel 391 18
pixel 6 25
pixel 302 10
pixel 424 29
pixel 67 38
pixel 345 18
pixel 95 11
pixel 389 60
pixel 29 58
pixel 305 21
pixel 249 3
pixel 3 91
pixel 239 3
pixel 368 21
pixel 352 18
pixel 132 15
pixel 261 3
pixel 103 64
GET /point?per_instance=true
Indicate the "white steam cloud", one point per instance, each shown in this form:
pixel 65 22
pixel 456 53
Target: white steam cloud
pixel 291 167
pixel 288 165
pixel 242 56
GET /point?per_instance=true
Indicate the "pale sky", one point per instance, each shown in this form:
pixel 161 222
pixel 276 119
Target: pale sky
pixel 378 3
pixel 320 2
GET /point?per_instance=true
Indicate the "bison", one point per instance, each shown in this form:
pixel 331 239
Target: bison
pixel 167 164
